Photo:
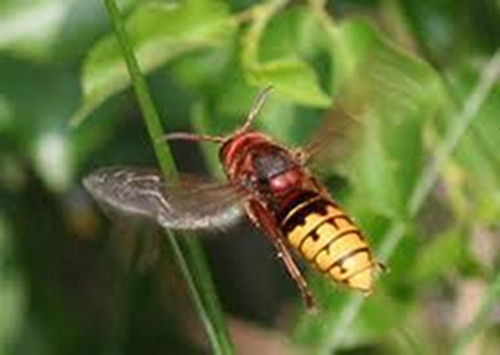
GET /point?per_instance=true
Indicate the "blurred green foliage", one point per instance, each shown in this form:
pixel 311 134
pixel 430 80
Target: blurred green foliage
pixel 412 72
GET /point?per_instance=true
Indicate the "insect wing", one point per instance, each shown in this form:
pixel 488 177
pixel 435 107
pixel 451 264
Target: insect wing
pixel 334 142
pixel 384 89
pixel 188 205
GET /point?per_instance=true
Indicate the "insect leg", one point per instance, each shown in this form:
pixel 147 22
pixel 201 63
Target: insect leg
pixel 194 137
pixel 294 271
pixel 261 217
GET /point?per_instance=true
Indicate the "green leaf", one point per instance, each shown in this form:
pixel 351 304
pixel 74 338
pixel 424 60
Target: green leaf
pixel 382 313
pixel 53 160
pixel 6 114
pixel 37 131
pixel 31 31
pixel 194 266
pixel 442 254
pixel 273 54
pixel 392 94
pixel 448 31
pixel 477 156
pixel 43 30
pixel 158 35
pixel 201 71
pixel 292 78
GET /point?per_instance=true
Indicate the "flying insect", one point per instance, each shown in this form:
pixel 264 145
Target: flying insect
pixel 267 182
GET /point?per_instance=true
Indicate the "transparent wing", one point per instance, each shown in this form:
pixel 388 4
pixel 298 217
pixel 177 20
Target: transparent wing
pixel 188 205
pixel 385 89
pixel 337 138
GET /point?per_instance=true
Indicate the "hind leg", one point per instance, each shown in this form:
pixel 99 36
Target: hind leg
pixel 264 220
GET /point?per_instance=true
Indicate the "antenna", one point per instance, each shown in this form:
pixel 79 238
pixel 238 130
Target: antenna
pixel 256 107
pixel 193 137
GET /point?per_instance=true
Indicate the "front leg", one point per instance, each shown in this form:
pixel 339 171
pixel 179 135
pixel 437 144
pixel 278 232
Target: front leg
pixel 262 218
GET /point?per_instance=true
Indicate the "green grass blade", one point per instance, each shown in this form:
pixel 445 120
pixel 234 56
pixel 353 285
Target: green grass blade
pixel 474 102
pixel 194 267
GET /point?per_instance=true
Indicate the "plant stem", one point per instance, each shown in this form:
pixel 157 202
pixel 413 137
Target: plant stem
pixel 472 105
pixel 194 267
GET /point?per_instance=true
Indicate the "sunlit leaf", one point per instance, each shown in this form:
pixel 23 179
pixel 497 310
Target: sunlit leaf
pixel 292 78
pixel 279 61
pixel 159 33
pixel 40 30
pixel 53 159
pixel 31 30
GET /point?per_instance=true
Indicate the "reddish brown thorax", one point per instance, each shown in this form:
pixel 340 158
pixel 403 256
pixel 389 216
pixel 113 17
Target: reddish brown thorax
pixel 255 161
pixel 236 147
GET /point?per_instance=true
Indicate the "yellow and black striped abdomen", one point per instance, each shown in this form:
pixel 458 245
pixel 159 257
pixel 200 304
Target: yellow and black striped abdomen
pixel 326 237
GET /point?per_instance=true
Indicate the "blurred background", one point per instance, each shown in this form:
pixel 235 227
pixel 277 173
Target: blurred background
pixel 422 76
